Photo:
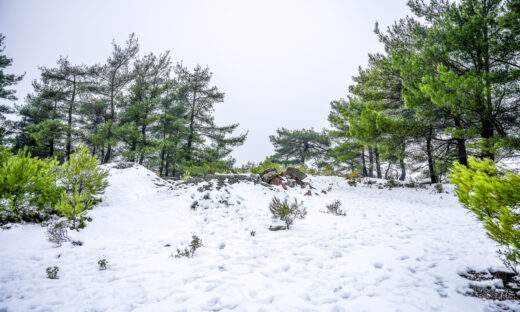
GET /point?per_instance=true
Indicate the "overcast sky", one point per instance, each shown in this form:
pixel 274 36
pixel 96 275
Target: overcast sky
pixel 279 62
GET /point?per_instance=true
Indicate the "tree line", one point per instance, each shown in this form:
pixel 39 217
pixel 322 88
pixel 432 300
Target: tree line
pixel 447 86
pixel 143 109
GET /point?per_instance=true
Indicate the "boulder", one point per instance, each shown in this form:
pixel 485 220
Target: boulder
pixel 270 176
pixel 293 173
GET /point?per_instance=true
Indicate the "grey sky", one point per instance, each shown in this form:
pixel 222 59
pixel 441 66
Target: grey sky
pixel 280 63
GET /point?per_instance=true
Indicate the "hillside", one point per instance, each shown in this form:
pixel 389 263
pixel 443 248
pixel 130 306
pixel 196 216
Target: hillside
pixel 396 250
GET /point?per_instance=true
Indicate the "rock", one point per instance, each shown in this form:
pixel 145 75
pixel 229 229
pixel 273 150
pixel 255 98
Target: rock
pixel 309 193
pixel 293 173
pixel 276 181
pixel 324 192
pixel 268 176
pixel 195 204
pixel 291 183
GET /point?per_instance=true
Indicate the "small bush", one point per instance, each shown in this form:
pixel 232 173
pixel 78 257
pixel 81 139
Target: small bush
pixel 196 243
pixel 352 183
pixel 52 272
pixel 253 233
pixel 493 195
pixel 102 263
pixel 335 208
pixel 57 232
pixel 83 181
pixel 354 174
pixel 266 165
pixel 287 212
pixel 438 187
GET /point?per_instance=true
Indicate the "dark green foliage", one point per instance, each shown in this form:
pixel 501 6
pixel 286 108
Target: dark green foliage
pixel 493 195
pixel 286 211
pixel 297 146
pixel 189 251
pixel 6 81
pixel 253 233
pixel 52 272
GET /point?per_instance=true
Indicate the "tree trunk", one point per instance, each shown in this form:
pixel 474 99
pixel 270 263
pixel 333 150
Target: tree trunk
pixel 365 172
pixel 371 161
pixel 378 165
pixel 68 147
pixel 403 169
pixel 111 121
pixel 461 145
pixel 192 126
pixel 429 154
pixel 388 169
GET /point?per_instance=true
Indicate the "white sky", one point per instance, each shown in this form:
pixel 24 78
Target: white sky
pixel 280 63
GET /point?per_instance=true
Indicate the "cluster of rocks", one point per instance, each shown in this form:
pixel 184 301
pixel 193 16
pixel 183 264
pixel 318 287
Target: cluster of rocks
pixel 292 177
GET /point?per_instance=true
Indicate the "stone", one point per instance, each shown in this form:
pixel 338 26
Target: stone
pixel 309 193
pixel 276 181
pixel 293 173
pixel 269 176
pixel 324 192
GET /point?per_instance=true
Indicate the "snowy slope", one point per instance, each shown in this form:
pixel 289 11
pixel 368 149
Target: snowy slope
pixel 396 250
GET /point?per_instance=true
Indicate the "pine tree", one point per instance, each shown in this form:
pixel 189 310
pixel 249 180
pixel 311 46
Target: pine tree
pixel 298 146
pixel 111 80
pixel 6 81
pixel 71 81
pixel 199 99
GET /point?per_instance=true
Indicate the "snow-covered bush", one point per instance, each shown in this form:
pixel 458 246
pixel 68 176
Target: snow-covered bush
pixel 52 272
pixel 335 208
pixel 82 180
pixel 287 212
pixel 189 251
pixel 102 263
pixel 493 195
pixel 57 232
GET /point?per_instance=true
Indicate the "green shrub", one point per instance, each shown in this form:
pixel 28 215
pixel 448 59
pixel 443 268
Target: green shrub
pixel 335 208
pixel 196 243
pixel 28 188
pixel 82 181
pixel 287 212
pixel 266 165
pixel 493 195
pixel 57 233
pixel 206 167
pixel 102 263
pixel 52 272
pixel 438 187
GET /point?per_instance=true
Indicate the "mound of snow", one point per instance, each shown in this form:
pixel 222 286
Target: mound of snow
pixel 397 249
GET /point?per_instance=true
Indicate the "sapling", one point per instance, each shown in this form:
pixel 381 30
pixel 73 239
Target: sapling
pixel 287 212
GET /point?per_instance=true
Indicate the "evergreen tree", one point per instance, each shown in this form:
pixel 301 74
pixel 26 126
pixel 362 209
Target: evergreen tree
pixel 199 98
pixel 297 146
pixel 111 80
pixel 71 81
pixel 6 81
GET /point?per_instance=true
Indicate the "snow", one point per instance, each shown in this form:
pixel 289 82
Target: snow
pixel 395 250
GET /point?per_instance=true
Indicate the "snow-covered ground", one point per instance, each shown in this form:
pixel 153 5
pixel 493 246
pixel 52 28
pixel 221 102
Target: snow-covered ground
pixel 396 250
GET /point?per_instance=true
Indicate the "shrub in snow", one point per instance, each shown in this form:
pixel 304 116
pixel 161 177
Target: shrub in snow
pixel 52 272
pixel 102 263
pixel 57 232
pixel 493 195
pixel 335 208
pixel 287 212
pixel 82 180
pixel 196 243
pixel 28 188
pixel 253 233
pixel 438 187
